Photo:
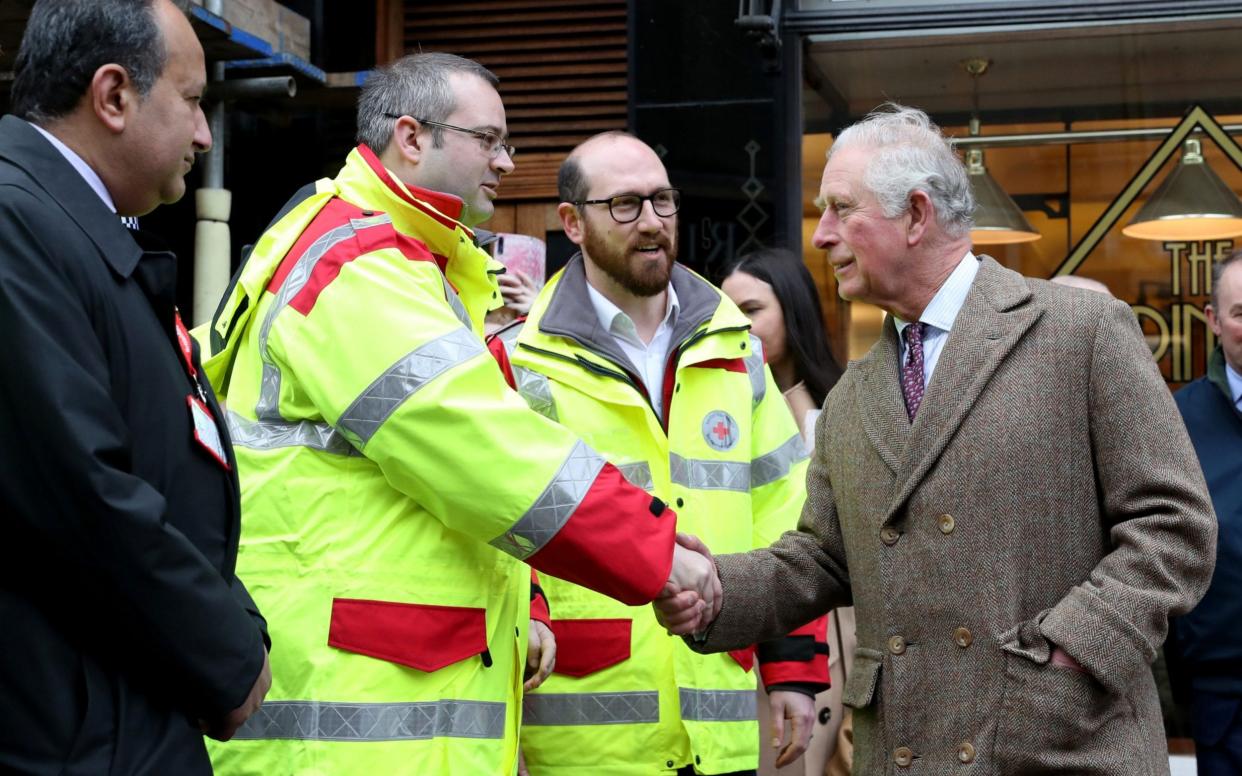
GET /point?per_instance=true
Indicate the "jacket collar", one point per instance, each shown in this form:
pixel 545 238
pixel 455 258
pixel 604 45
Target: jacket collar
pixel 441 205
pixel 1217 377
pixel 22 146
pixel 569 312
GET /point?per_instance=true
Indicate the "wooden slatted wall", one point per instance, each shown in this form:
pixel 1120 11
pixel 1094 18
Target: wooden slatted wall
pixel 561 63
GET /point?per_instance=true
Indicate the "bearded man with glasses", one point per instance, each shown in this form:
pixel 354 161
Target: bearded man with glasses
pixel 393 487
pixel 657 370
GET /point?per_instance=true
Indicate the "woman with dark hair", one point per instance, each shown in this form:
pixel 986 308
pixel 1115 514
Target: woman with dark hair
pixel 774 288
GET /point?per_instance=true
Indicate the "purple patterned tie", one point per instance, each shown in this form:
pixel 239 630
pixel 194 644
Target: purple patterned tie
pixel 912 372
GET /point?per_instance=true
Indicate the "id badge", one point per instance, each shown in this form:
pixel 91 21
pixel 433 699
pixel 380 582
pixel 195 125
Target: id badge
pixel 205 431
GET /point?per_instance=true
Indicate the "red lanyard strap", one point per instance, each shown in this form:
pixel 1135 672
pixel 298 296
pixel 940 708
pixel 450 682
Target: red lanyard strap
pixel 187 353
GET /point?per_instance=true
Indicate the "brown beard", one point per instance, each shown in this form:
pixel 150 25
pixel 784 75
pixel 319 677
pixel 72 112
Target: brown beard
pixel 652 279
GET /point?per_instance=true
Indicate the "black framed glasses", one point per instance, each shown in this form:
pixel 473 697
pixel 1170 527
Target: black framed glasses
pixel 625 208
pixel 493 144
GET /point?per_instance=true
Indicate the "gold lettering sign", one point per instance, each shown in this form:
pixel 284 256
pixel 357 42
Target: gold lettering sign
pixel 1181 332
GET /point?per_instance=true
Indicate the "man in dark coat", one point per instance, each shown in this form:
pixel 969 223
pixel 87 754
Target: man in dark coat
pixel 1205 646
pixel 124 634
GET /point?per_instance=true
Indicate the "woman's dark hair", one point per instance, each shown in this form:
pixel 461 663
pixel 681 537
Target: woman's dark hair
pixel 794 288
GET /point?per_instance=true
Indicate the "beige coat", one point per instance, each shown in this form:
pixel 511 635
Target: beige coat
pixel 1045 494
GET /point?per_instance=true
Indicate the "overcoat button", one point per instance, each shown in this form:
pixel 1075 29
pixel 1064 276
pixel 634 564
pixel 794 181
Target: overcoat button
pixel 947 524
pixel 903 756
pixel 966 752
pixel 963 637
pixel 889 535
pixel 897 645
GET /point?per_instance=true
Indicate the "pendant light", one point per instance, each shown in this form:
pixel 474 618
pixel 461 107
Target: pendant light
pixel 1192 203
pixel 997 219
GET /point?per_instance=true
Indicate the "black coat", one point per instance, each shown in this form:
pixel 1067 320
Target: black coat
pixel 121 621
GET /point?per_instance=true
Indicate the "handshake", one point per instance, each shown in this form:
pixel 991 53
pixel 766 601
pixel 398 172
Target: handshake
pixel 692 596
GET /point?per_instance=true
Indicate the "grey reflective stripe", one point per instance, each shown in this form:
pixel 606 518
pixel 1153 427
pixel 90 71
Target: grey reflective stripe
pixel 770 467
pixel 754 369
pixel 554 506
pixel 274 434
pixel 591 708
pixel 638 475
pixel 363 418
pixel 295 281
pixel 535 389
pixel 269 393
pixel 532 386
pixel 325 721
pixel 709 475
pixel 454 301
pixel 717 705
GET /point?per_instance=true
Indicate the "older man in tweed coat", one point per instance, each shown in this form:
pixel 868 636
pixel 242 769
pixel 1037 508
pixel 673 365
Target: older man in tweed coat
pixel 1005 493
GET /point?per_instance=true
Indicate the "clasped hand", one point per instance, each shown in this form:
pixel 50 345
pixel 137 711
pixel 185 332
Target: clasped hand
pixel 692 596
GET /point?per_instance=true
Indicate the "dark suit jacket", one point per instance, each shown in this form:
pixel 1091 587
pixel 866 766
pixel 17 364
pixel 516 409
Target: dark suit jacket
pixel 1046 494
pixel 120 619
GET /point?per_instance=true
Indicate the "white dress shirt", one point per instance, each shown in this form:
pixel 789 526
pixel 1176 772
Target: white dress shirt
pixel 1235 384
pixel 940 313
pixel 650 359
pixel 89 175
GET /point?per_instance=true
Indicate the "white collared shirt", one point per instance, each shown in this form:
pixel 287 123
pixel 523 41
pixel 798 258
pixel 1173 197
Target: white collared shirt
pixel 88 174
pixel 650 359
pixel 1235 384
pixel 940 314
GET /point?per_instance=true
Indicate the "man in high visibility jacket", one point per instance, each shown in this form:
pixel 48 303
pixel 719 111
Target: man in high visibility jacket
pixel 392 484
pixel 657 370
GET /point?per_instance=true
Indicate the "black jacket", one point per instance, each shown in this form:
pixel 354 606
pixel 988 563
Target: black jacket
pixel 121 621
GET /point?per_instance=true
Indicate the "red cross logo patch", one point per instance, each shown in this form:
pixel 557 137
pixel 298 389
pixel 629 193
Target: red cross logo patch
pixel 720 430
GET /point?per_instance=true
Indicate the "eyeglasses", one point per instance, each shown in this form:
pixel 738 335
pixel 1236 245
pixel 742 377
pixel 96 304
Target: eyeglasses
pixel 493 144
pixel 625 208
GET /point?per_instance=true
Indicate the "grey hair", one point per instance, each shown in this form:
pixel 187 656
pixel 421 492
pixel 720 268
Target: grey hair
pixel 1218 271
pixel 67 41
pixel 912 155
pixel 416 85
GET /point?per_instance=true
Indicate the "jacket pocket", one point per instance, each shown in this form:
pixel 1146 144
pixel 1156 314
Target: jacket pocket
pixel 863 679
pixel 420 636
pixel 586 646
pixel 1056 719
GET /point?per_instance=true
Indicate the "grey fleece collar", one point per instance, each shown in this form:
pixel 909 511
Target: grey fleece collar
pixel 570 314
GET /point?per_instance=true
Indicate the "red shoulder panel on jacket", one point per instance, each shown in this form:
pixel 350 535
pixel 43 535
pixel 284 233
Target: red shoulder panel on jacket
pixel 364 240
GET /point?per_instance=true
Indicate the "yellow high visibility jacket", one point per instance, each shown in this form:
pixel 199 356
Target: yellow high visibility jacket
pixel 393 485
pixel 626 698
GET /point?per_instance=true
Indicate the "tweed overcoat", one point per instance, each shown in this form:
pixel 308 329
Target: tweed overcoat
pixel 1045 494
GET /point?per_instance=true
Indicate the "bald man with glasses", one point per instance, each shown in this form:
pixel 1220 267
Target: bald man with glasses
pixel 656 369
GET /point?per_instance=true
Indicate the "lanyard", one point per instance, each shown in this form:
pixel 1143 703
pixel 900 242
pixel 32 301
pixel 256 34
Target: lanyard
pixel 187 354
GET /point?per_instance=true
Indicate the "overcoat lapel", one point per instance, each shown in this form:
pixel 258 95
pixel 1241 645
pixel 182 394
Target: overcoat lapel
pixel 880 403
pixel 997 312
